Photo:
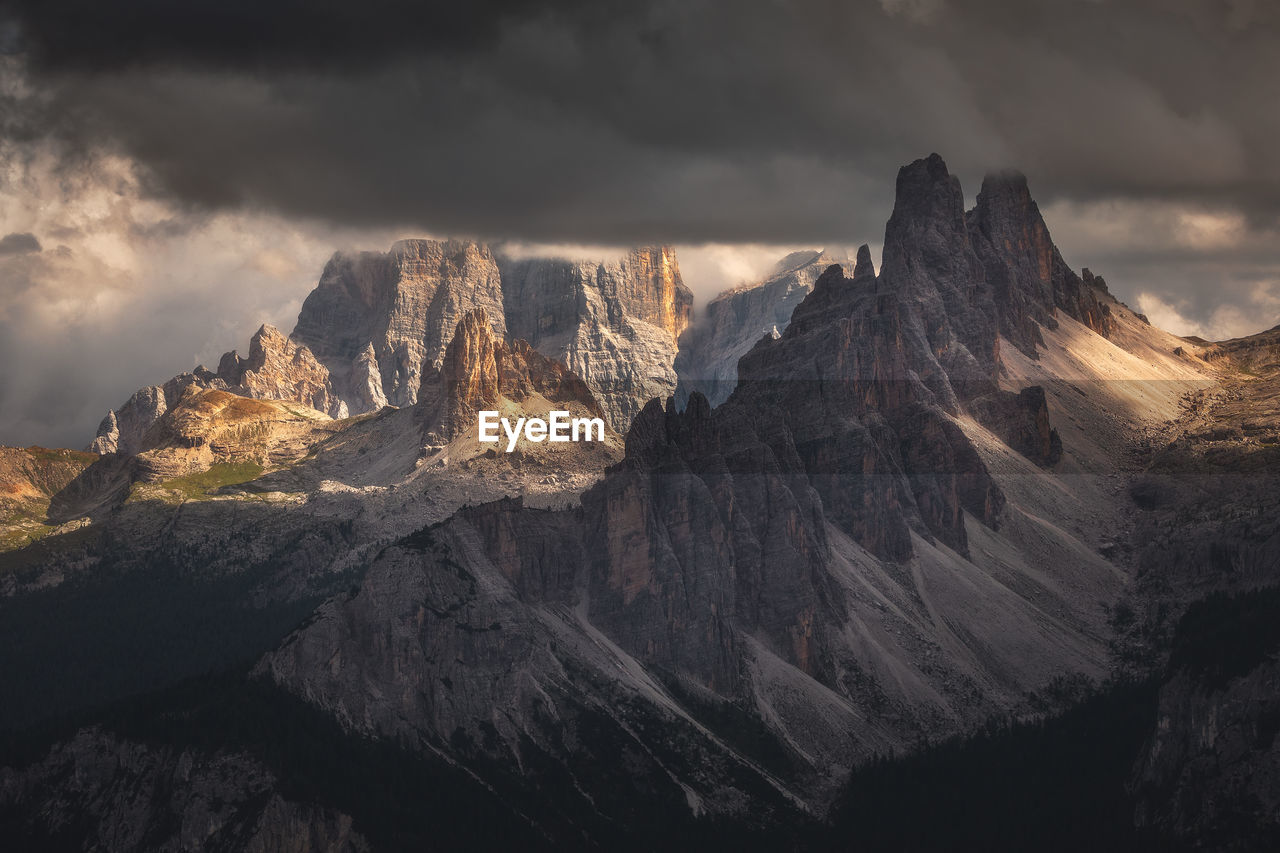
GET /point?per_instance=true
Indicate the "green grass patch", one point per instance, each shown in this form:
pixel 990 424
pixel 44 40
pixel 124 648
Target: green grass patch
pixel 57 454
pixel 194 487
pixel 22 536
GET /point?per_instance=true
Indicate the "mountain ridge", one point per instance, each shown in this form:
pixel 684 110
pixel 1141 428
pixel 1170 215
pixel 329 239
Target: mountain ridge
pixel 923 505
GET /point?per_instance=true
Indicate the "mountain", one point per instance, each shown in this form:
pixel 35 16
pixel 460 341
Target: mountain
pixel 614 324
pixel 733 321
pixel 376 319
pixel 970 487
pixel 1023 284
pixel 276 368
pixel 32 477
pixel 378 322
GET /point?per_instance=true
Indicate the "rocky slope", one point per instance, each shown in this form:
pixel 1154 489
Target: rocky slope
pixel 276 368
pixel 29 480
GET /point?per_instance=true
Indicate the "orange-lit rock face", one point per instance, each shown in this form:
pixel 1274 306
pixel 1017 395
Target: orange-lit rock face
pixel 405 304
pixel 653 289
pixel 280 369
pixel 470 366
pixel 479 370
pixel 381 322
pixel 614 323
pixel 207 427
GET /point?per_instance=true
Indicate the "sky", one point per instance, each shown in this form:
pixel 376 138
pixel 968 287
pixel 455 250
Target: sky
pixel 172 175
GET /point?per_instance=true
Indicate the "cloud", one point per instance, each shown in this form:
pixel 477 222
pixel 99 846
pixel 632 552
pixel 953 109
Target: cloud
pixel 1192 269
pixel 1224 323
pixel 19 243
pixel 694 121
pixel 134 291
pixel 187 167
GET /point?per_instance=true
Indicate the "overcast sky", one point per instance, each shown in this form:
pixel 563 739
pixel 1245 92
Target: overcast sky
pixel 174 174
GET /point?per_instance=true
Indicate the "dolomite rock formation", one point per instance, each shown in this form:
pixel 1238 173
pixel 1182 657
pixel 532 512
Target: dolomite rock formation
pixel 279 369
pixel 378 325
pixel 1028 277
pixel 732 322
pixel 481 371
pixel 836 562
pixel 124 430
pixel 403 306
pixel 770 553
pixel 615 324
pixel 209 801
pixel 209 426
pixel 993 271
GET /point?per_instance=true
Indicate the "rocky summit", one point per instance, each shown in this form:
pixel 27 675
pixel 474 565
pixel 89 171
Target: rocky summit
pixel 857 515
pixel 378 323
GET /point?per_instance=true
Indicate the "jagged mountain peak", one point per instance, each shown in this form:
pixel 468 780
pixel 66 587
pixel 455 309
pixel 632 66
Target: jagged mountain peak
pixel 1028 277
pixel 926 193
pixel 863 267
pixel 481 371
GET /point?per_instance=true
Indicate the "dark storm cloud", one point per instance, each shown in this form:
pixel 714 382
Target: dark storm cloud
pixel 236 34
pixel 19 243
pixel 1148 130
pixel 756 120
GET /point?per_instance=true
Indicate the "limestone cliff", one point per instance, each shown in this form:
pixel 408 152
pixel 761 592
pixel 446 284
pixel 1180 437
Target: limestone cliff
pixel 821 548
pixel 482 371
pixel 615 324
pixel 403 304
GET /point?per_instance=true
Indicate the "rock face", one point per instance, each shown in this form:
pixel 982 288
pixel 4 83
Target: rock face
pixel 1208 774
pixel 377 325
pixel 123 430
pixel 208 801
pixel 380 321
pixel 974 277
pixel 279 369
pixel 1022 422
pixel 732 322
pixel 614 324
pixel 481 371
pixel 400 308
pixel 1029 280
